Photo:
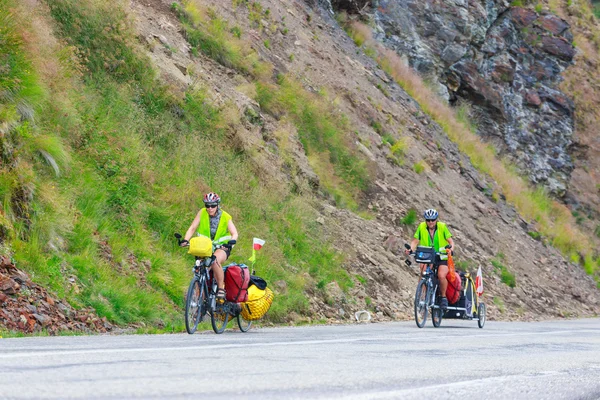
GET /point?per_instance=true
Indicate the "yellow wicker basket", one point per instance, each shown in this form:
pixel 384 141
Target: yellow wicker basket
pixel 259 302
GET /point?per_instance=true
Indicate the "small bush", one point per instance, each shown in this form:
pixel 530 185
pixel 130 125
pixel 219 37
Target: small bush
pixel 505 275
pixel 500 304
pixel 419 167
pixel 387 138
pixel 410 218
pixel 398 149
pixel 237 32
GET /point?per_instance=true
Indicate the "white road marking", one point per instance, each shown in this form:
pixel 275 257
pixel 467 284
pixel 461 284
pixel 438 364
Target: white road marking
pixel 16 353
pixel 416 391
pixel 177 348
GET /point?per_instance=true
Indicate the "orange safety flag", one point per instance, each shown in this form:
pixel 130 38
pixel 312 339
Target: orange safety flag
pixel 451 270
pixel 479 282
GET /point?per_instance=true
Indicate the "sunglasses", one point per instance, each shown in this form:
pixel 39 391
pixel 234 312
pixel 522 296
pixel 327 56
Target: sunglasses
pixel 431 220
pixel 210 205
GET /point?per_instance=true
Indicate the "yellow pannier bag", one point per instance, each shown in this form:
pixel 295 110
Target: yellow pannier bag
pixel 259 302
pixel 200 246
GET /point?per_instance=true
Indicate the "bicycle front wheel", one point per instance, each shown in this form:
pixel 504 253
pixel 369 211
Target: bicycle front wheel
pixel 436 316
pixel 194 305
pixel 244 324
pixel 219 318
pixel 421 304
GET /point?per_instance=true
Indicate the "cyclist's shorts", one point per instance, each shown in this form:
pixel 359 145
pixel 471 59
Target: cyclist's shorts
pixel 226 250
pixel 443 262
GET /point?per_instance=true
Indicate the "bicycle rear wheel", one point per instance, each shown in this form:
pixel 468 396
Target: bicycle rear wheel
pixel 421 297
pixel 195 304
pixel 244 324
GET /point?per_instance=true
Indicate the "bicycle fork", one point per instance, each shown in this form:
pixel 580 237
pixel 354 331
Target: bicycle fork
pixel 432 289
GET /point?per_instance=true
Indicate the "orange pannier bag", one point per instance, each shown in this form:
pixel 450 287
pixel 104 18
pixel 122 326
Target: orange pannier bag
pixel 454 283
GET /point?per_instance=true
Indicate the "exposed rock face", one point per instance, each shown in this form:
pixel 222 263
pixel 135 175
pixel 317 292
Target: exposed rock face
pixel 507 61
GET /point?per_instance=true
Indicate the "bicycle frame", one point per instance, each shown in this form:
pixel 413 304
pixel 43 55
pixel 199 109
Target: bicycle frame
pixel 432 283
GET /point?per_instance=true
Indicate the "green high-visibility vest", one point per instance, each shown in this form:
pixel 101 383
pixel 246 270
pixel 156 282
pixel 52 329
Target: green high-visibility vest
pixel 222 234
pixel 439 238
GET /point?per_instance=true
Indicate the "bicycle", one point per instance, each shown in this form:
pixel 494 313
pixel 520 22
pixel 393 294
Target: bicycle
pixel 202 297
pixel 427 295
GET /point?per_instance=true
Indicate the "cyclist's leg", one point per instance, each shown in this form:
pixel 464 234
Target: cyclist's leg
pixel 442 273
pixel 217 269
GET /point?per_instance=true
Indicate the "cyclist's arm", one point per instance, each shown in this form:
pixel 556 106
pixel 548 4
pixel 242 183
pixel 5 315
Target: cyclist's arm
pixel 414 244
pixel 451 243
pixel 193 227
pixel 232 230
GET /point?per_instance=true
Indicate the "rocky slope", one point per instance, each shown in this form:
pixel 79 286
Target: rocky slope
pixel 324 57
pixel 29 308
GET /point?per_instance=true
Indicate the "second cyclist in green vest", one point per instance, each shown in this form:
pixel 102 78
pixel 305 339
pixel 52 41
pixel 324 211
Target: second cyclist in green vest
pixel 216 224
pixel 433 233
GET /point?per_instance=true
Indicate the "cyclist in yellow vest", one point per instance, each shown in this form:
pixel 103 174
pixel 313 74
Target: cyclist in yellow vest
pixel 216 224
pixel 433 233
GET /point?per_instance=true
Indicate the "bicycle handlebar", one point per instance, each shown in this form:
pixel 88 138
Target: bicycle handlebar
pixel 185 243
pixel 411 252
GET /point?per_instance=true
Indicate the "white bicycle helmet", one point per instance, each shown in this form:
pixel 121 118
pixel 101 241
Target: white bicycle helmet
pixel 212 198
pixel 430 214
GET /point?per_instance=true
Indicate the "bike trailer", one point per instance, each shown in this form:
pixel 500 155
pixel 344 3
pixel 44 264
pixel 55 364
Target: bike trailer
pixel 425 255
pixel 463 308
pixel 200 246
pixel 237 277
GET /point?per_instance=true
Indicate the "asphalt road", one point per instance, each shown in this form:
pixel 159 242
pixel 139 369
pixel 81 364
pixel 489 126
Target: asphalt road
pixel 505 360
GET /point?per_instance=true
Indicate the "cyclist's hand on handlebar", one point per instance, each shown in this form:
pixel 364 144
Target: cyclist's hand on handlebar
pixel 184 243
pixel 230 244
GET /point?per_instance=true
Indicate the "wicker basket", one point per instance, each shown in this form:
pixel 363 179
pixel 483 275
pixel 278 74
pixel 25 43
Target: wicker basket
pixel 258 304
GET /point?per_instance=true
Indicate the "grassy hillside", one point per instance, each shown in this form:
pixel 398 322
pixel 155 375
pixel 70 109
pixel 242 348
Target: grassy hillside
pixel 102 163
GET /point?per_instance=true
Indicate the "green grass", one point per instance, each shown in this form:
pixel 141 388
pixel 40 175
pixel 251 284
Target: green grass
pixel 505 275
pixel 500 304
pixel 322 132
pixel 95 225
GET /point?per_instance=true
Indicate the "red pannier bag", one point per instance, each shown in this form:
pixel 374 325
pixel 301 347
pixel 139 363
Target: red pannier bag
pixel 454 287
pixel 237 278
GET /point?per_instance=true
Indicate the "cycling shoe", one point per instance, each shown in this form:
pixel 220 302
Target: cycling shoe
pixel 444 303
